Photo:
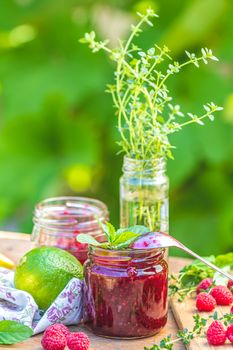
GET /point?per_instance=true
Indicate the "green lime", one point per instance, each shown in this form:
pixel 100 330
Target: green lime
pixel 44 272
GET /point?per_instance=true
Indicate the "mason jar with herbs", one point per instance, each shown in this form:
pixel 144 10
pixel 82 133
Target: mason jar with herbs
pixel 144 188
pixel 146 119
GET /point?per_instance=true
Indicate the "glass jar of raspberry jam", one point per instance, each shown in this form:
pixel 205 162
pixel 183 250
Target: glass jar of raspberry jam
pixel 57 222
pixel 125 294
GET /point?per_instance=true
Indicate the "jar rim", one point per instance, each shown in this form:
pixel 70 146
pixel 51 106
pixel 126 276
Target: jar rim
pixel 160 159
pixel 70 212
pixel 150 165
pixel 125 252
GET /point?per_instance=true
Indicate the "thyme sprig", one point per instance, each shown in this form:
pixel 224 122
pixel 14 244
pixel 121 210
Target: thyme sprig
pixel 146 116
pixel 198 330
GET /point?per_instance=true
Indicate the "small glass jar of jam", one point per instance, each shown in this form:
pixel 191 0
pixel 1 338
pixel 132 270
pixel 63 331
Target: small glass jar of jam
pixel 125 294
pixel 57 222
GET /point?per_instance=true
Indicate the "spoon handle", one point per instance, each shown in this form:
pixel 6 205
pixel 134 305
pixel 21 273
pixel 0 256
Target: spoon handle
pixel 214 267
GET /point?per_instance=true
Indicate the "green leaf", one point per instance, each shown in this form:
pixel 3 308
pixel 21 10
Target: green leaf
pixel 12 332
pixel 224 260
pixel 219 279
pixel 124 239
pixel 109 231
pixel 87 239
pixel 140 229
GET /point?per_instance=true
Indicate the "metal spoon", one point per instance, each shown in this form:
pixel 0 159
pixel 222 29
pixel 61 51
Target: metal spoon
pixel 163 240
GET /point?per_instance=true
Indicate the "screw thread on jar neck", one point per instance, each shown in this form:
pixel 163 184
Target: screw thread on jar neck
pixel 144 167
pixel 69 213
pixel 127 257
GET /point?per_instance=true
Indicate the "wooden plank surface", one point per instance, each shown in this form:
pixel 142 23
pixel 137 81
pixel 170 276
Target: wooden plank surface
pixel 14 245
pixel 183 313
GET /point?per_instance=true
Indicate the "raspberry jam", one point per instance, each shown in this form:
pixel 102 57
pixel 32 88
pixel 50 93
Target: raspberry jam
pixel 57 222
pixel 125 294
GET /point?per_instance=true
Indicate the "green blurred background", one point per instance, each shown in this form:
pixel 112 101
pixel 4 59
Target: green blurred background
pixel 58 129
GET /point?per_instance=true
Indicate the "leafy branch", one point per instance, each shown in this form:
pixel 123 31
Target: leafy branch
pixel 142 100
pixel 184 283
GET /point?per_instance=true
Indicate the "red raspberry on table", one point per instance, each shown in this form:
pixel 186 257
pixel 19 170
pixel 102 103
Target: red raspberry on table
pixel 204 284
pixel 53 340
pixel 230 285
pixel 222 295
pixel 78 341
pixel 230 333
pixel 216 334
pixel 58 327
pixel 205 302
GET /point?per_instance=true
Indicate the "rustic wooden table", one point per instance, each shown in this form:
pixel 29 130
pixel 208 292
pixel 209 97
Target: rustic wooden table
pixel 14 245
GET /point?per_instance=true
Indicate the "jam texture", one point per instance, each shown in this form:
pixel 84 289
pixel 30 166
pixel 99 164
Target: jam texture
pixel 126 299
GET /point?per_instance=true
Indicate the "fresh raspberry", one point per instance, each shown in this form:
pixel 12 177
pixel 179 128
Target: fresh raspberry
pixel 205 302
pixel 222 295
pixel 230 285
pixel 231 311
pixel 78 341
pixel 216 334
pixel 230 333
pixel 58 327
pixel 204 284
pixel 53 340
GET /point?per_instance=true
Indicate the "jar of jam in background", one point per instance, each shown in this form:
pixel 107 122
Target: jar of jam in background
pixel 125 293
pixel 57 222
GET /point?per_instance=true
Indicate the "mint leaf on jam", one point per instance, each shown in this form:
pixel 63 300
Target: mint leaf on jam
pixel 120 239
pixel 124 239
pixel 140 229
pixel 12 332
pixel 109 230
pixel 87 239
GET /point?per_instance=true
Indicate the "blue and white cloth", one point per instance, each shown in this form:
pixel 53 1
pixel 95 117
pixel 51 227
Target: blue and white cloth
pixel 17 305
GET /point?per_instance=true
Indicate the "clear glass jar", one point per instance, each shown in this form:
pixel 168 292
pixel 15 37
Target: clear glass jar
pixel 144 190
pixel 57 222
pixel 125 293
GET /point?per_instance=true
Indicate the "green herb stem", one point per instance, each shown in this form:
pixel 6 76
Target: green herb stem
pixel 141 96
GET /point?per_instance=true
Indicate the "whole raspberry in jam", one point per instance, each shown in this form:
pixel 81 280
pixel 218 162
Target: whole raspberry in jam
pixel 230 333
pixel 204 285
pixel 205 302
pixel 230 285
pixel 53 340
pixel 58 327
pixel 222 295
pixel 216 334
pixel 78 341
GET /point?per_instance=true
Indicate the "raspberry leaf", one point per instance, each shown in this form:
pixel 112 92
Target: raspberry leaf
pixel 12 332
pixel 219 279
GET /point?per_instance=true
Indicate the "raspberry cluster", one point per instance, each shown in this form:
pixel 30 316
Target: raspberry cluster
pixel 57 336
pixel 217 334
pixel 207 299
